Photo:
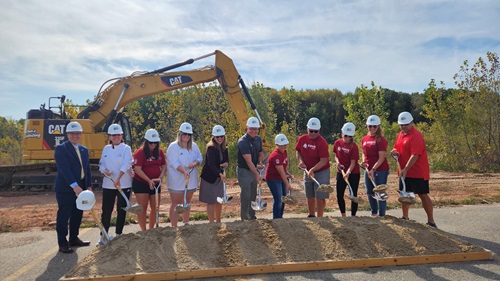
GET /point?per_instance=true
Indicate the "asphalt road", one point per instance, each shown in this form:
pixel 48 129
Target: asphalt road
pixel 34 255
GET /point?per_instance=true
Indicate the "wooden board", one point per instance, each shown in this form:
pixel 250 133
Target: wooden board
pixel 293 267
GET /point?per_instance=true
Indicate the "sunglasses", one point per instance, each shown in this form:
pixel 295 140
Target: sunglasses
pixel 346 136
pixel 219 137
pixel 372 126
pixel 403 125
pixel 154 142
pixel 184 134
pixel 314 131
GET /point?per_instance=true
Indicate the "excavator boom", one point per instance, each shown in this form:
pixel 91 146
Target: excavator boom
pixel 44 131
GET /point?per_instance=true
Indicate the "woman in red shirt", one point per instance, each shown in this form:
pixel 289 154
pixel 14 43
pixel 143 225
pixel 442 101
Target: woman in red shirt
pixel 346 156
pixel 277 175
pixel 149 165
pixel 374 147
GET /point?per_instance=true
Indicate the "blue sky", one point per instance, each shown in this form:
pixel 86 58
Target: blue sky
pixel 51 48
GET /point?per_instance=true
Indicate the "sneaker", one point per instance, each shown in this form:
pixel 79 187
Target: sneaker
pixel 432 224
pixel 186 223
pixel 311 216
pixel 403 218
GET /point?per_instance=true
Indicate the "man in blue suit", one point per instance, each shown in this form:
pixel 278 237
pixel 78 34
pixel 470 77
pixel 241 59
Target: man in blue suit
pixel 73 176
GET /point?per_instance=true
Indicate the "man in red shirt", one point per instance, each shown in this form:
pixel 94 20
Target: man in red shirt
pixel 312 152
pixel 412 155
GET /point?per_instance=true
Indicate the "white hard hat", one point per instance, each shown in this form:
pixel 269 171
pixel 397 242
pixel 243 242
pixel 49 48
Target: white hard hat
pixel 253 122
pixel 314 124
pixel 86 200
pixel 115 129
pixel 373 120
pixel 186 128
pixel 74 127
pixel 404 118
pixel 280 139
pixel 348 129
pixel 218 131
pixel 152 135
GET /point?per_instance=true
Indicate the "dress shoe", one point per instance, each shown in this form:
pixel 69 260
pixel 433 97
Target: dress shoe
pixel 65 249
pixel 79 243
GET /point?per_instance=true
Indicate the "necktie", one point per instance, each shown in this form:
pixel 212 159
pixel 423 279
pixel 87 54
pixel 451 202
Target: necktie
pixel 81 164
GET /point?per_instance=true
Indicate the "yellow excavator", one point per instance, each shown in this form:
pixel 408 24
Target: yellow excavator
pixel 44 129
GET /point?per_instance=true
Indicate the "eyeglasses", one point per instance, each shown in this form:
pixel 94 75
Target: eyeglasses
pixel 346 136
pixel 372 126
pixel 184 134
pixel 115 135
pixel 313 131
pixel 220 137
pixel 153 142
pixel 404 125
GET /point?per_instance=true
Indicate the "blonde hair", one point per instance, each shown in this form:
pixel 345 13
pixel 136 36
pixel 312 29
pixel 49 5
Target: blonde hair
pixel 189 143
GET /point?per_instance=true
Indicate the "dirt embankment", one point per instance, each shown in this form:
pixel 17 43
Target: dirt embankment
pixel 266 242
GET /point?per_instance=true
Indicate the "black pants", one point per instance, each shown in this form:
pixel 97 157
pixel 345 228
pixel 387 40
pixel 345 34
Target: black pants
pixel 108 202
pixel 341 187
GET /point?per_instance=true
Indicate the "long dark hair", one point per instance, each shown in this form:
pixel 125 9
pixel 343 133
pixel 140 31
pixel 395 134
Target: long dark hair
pixel 145 148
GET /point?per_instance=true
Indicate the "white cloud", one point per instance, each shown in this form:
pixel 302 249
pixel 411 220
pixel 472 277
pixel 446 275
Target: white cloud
pixel 71 47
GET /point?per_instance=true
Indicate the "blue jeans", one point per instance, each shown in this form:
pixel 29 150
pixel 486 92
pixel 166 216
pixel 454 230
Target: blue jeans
pixel 278 189
pixel 377 207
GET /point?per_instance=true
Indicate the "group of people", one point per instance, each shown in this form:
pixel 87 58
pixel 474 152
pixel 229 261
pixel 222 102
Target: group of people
pixel 143 171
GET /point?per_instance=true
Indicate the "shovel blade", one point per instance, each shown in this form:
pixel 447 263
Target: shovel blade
pixel 135 209
pixel 356 200
pixel 179 209
pixel 380 188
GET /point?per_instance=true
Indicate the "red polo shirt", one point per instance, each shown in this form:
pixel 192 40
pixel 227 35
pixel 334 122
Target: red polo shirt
pixel 413 143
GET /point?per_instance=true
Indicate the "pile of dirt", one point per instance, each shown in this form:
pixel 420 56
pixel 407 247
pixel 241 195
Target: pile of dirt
pixel 265 242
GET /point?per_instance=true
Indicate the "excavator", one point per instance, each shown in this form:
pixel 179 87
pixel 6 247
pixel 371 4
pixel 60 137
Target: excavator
pixel 45 129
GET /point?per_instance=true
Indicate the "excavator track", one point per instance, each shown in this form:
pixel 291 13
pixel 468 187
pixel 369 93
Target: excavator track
pixel 36 177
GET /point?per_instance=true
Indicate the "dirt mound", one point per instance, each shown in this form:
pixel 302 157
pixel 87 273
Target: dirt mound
pixel 266 242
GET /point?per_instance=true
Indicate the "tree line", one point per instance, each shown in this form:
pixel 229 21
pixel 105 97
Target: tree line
pixel 461 125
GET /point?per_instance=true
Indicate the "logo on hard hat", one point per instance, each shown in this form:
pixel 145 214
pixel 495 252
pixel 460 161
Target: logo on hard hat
pixel 154 135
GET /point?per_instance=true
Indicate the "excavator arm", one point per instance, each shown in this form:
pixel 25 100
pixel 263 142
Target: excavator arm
pixel 130 88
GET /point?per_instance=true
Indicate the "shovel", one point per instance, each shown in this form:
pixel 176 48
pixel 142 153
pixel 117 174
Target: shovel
pixel 352 197
pixel 181 208
pixel 105 238
pixel 225 199
pixel 380 194
pixel 404 197
pixel 325 188
pixel 288 198
pixel 259 205
pixel 157 186
pixel 134 209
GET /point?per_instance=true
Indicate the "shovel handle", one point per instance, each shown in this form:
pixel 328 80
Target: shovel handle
pixel 99 224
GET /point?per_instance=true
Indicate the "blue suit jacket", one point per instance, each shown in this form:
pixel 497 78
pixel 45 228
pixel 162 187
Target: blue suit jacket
pixel 69 168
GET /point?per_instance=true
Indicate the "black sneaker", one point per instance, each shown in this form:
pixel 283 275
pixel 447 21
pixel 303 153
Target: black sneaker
pixel 311 216
pixel 432 224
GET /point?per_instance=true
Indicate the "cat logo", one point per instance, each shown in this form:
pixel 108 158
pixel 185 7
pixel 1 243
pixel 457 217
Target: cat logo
pixel 172 81
pixel 56 129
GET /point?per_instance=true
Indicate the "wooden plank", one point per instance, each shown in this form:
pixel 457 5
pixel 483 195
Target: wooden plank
pixel 293 267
